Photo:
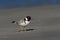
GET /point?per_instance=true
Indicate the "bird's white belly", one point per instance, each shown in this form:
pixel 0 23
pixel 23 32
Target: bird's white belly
pixel 24 23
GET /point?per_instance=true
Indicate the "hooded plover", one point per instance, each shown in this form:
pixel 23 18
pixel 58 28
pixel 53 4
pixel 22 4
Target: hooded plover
pixel 23 23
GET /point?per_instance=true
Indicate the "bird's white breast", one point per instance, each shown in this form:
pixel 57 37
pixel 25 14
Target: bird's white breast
pixel 22 23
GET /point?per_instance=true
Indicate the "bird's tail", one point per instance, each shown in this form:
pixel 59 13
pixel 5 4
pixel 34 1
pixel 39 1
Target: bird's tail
pixel 14 22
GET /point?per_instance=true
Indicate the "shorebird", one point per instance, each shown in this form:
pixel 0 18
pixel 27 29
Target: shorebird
pixel 23 23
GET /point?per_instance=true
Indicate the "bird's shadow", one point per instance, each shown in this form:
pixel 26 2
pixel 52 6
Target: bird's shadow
pixel 26 30
pixel 30 29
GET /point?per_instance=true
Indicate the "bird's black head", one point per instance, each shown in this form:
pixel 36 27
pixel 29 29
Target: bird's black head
pixel 28 18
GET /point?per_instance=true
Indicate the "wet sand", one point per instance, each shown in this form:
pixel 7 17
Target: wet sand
pixel 45 21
